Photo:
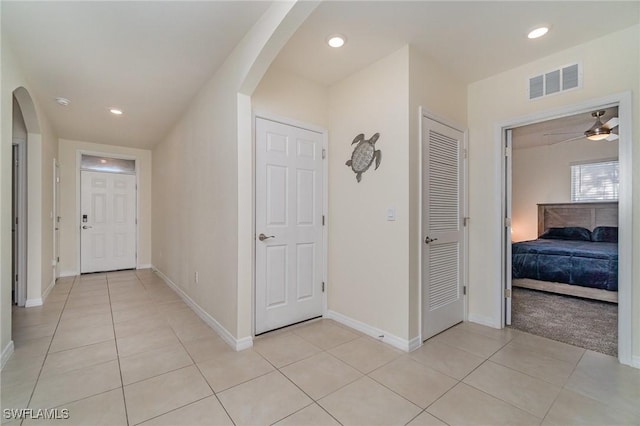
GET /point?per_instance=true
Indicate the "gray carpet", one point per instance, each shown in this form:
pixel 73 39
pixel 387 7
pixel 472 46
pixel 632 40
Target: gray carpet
pixel 590 324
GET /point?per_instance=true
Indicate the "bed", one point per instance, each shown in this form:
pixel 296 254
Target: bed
pixel 576 252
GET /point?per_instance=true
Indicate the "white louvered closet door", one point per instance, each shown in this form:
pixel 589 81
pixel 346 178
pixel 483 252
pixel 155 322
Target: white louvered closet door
pixel 442 227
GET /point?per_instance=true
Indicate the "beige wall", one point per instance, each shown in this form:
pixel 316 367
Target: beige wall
pixel 410 80
pixel 69 200
pixel 49 153
pixel 439 93
pixel 368 255
pixel 610 65
pixel 543 175
pixel 283 93
pixel 202 174
pixel 42 145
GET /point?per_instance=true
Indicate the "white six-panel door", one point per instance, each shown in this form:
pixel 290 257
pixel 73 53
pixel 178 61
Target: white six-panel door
pixel 108 234
pixel 442 227
pixel 289 204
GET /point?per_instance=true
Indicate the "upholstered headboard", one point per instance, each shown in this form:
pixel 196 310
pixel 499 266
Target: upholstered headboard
pixel 587 215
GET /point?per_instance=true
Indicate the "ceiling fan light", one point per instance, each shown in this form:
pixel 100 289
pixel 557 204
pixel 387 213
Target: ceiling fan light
pixel 598 136
pixel 598 131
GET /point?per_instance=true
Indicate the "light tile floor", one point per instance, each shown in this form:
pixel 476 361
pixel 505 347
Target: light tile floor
pixel 122 348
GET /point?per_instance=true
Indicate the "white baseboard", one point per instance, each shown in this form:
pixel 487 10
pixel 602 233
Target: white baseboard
pixel 635 361
pixel 30 303
pixel 48 289
pixel 145 266
pixel 64 274
pixel 237 344
pixel 482 320
pixel 6 354
pixel 415 343
pixel 395 341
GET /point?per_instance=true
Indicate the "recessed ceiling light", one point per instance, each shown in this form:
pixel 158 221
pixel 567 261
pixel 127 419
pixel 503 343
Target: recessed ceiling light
pixel 62 101
pixel 103 161
pixel 336 40
pixel 538 32
pixel 115 111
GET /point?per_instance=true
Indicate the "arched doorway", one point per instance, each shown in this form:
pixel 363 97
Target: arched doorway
pixel 25 126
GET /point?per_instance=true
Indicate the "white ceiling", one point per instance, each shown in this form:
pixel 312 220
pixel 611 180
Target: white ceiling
pixel 472 39
pixel 150 58
pixel 558 130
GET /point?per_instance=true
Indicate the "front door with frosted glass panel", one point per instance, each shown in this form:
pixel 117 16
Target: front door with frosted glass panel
pixel 107 221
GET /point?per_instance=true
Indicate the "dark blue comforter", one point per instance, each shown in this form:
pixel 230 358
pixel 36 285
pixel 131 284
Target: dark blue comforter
pixel 583 263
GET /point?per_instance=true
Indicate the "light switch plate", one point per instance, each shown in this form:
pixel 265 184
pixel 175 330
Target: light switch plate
pixel 391 213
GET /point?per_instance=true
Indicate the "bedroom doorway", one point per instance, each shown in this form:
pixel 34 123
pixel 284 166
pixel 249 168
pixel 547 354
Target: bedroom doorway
pixel 566 211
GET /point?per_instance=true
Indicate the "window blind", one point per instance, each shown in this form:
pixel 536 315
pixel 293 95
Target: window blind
pixel 595 181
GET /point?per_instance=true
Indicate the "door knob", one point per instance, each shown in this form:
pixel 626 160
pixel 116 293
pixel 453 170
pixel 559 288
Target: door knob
pixel 429 240
pixel 263 237
pixel 86 226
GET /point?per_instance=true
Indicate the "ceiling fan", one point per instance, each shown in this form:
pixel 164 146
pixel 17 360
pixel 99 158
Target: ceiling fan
pixel 599 131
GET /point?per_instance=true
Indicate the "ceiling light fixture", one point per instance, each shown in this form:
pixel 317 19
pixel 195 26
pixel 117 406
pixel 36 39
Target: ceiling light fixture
pixel 598 131
pixel 538 32
pixel 336 40
pixel 62 101
pixel 115 111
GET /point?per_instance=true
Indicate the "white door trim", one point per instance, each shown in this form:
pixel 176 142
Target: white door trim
pixel 76 221
pixel 425 113
pixel 625 204
pixel 23 223
pixel 325 202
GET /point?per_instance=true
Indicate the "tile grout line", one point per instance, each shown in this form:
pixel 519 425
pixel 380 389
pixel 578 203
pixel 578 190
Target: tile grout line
pixel 35 385
pixel 563 385
pixel 314 401
pixel 115 340
pixel 195 364
pixel 461 381
pixel 494 396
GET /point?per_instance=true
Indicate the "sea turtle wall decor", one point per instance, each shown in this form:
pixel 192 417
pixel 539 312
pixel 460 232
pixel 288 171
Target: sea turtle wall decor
pixel 363 155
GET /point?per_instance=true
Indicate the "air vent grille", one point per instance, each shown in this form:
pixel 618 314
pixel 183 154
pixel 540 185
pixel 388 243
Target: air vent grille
pixel 552 82
pixel 565 78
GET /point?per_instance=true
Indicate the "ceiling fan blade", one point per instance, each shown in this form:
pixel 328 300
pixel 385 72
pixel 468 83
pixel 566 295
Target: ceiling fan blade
pixel 612 137
pixel 612 123
pixel 568 140
pixel 560 133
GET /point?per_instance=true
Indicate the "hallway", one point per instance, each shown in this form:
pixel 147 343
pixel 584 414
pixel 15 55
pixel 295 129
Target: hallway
pixel 122 348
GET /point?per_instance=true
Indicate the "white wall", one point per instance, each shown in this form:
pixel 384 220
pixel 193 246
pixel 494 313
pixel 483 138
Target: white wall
pixel 543 175
pixel 42 145
pixel 70 203
pixel 368 255
pixel 610 65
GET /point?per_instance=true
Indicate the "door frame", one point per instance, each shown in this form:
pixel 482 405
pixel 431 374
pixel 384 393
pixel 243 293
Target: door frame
pixel 625 204
pixel 56 220
pixel 325 202
pixel 21 188
pixel 76 221
pixel 426 113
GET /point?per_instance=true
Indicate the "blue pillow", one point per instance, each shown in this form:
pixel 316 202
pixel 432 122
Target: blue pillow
pixel 569 233
pixel 605 234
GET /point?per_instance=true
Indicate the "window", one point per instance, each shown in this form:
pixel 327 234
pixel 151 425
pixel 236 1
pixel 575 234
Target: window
pixel 107 164
pixel 595 181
